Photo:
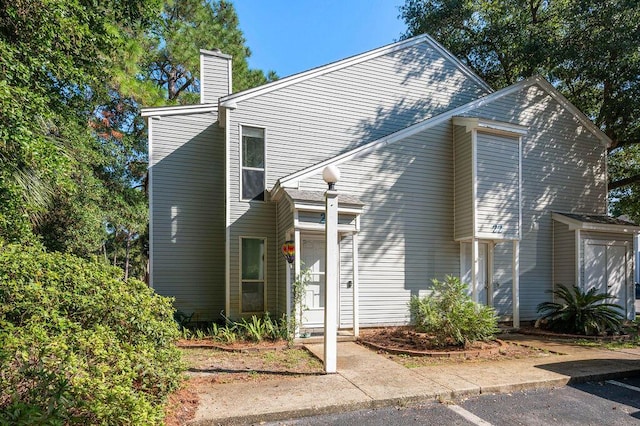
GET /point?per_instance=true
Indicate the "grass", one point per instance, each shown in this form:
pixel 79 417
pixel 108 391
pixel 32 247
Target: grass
pixel 223 366
pixel 633 342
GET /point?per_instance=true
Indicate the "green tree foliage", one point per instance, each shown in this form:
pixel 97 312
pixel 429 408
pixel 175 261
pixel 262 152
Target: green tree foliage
pixel 78 345
pixel 588 49
pixel 580 312
pixel 186 27
pixel 451 316
pixel 73 154
pixel 60 60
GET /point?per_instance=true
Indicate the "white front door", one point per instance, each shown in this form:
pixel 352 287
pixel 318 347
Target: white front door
pixel 483 271
pixel 312 258
pixel 606 269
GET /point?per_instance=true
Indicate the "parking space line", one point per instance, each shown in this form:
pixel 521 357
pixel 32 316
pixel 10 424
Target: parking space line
pixel 623 385
pixel 468 415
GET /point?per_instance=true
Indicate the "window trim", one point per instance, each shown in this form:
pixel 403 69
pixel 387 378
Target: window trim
pixel 264 281
pixel 242 168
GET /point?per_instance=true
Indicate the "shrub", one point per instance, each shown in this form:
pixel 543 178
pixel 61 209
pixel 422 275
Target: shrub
pixel 580 312
pixel 256 329
pixel 79 345
pixel 450 315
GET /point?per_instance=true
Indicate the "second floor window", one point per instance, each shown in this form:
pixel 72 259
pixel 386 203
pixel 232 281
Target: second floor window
pixel 253 184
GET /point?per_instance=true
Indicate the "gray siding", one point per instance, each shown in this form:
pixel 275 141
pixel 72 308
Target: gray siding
pixel 346 276
pixel 498 185
pixel 187 212
pixel 215 79
pixel 320 117
pixel 463 209
pixel 407 225
pixel 564 255
pixel 563 169
pixel 502 280
pixel 324 116
pixel 406 236
pixel 258 221
pixel 285 224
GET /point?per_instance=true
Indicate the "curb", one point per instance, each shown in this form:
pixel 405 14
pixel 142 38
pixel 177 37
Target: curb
pixel 412 400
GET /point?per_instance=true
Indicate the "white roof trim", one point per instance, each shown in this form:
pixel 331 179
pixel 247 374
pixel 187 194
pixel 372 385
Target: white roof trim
pixel 215 52
pixel 292 179
pixel 471 123
pixel 176 110
pixel 353 60
pixel 575 224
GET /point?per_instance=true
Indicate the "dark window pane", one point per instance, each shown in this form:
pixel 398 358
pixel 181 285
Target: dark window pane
pixel 252 185
pixel 252 297
pixel 252 147
pixel 252 259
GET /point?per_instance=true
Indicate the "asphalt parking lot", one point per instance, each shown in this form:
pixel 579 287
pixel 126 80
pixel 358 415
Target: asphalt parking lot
pixel 592 403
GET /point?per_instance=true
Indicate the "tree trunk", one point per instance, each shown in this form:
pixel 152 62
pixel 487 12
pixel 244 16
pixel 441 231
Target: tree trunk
pixel 126 257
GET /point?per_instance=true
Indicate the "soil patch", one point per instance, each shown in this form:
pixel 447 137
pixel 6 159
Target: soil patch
pixel 181 406
pixel 240 346
pixel 412 349
pixel 209 364
pixel 547 333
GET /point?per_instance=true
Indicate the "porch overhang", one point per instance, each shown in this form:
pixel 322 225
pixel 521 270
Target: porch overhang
pixel 597 223
pixel 302 215
pixel 308 209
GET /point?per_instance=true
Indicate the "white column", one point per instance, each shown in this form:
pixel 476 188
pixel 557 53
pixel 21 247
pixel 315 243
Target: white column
pixel 475 263
pixel 331 283
pixel 297 310
pixel 356 278
pixel 515 267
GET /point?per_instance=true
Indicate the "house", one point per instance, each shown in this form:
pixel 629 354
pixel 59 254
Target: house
pixel 440 175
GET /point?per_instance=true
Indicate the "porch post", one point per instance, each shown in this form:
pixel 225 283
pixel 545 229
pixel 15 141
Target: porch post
pixel 331 174
pixel 515 268
pixel 356 304
pixel 475 263
pixel 297 310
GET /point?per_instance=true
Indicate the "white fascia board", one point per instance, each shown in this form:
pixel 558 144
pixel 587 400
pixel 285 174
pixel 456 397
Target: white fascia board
pixel 473 123
pixel 575 224
pixel 353 60
pixel 217 53
pixel 177 110
pixel 320 208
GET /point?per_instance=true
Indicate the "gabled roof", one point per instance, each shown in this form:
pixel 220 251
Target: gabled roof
pixel 434 121
pixel 230 100
pixel 593 222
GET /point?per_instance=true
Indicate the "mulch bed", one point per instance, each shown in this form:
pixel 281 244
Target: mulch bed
pixel 533 331
pixel 407 341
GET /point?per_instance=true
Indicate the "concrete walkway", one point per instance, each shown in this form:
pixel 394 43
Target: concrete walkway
pixel 366 379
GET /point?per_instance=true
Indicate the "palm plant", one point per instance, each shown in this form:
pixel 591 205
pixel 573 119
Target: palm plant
pixel 581 312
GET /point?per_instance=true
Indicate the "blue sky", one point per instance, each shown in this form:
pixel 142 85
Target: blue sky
pixel 290 36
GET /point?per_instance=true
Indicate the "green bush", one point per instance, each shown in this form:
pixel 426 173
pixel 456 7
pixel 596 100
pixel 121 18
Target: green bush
pixel 450 315
pixel 580 312
pixel 79 345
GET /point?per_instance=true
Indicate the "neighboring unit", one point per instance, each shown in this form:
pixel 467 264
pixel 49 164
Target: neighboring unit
pixel 440 175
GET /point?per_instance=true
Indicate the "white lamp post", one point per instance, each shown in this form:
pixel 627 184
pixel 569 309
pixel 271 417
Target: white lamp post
pixel 331 175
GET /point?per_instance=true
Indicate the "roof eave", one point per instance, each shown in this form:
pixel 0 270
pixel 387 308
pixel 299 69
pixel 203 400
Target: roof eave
pixel 178 110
